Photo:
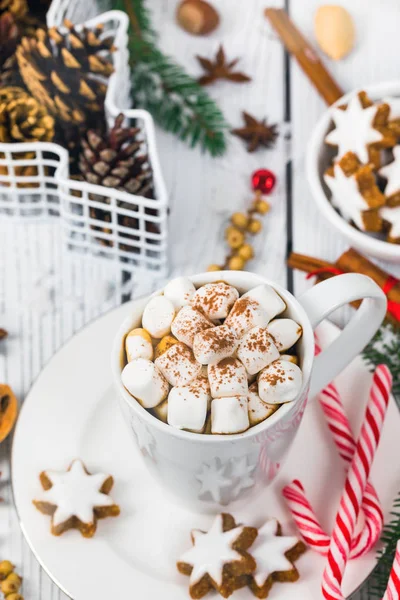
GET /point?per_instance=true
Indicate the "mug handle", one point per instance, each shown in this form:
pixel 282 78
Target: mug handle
pixel 321 300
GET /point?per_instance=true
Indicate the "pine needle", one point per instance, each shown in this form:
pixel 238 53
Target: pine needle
pixel 385 349
pixel 390 536
pixel 176 101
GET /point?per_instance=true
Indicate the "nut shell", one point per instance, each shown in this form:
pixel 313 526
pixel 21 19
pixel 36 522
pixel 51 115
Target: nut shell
pixel 334 30
pixel 197 17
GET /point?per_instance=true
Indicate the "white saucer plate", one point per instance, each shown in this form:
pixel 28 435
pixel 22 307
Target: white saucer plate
pixel 72 411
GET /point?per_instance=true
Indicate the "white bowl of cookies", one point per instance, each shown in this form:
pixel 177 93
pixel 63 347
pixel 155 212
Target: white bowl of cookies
pixel 353 168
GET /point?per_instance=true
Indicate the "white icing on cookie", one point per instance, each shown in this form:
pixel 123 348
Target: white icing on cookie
pixel 75 493
pixel 211 551
pixel 269 551
pixel 354 129
pixel 392 215
pixel 346 196
pixel 391 172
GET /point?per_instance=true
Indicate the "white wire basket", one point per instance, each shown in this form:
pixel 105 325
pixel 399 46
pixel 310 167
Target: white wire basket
pixel 96 220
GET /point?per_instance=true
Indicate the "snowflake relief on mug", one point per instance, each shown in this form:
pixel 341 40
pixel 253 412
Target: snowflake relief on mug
pixel 223 482
pixel 144 438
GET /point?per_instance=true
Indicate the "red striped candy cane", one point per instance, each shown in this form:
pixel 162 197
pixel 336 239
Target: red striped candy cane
pixel 342 433
pixel 355 486
pixel 305 517
pixel 301 509
pixel 393 588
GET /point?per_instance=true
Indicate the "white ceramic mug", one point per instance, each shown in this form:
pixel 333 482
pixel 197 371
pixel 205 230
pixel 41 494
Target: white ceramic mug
pixel 207 471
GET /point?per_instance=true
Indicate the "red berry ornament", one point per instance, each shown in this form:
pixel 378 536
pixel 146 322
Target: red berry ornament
pixel 263 181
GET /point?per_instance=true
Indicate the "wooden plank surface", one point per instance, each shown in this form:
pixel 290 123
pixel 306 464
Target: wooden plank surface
pixel 46 295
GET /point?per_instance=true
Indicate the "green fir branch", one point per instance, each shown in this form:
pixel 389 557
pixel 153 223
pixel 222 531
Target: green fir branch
pixel 390 536
pixel 176 101
pixel 385 349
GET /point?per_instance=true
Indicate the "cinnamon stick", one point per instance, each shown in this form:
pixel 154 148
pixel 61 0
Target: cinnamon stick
pixel 311 265
pixel 297 45
pixel 349 262
pixel 354 262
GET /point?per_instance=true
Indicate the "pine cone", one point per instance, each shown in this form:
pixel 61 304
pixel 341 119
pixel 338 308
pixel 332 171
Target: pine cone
pixel 117 160
pixel 65 72
pixel 8 37
pixel 10 75
pixel 18 8
pixel 22 118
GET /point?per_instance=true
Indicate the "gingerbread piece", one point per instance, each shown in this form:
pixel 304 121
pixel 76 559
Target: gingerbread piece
pixel 361 127
pixel 355 193
pixel 274 555
pixel 394 114
pixel 76 499
pixel 218 559
pixel 391 172
pixel 391 223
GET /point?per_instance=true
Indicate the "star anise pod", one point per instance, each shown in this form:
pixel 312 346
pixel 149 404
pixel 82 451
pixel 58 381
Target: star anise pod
pixel 256 133
pixel 220 69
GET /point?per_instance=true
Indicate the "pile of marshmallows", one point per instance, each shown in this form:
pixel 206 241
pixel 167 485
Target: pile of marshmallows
pixel 209 361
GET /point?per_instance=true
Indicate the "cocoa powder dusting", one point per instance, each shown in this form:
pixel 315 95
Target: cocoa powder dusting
pixel 217 338
pixel 274 377
pixel 213 298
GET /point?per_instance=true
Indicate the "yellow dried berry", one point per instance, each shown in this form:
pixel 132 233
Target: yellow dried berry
pixel 246 252
pixel 15 596
pixel 214 267
pixel 15 578
pixel 240 220
pixel 234 237
pixel 6 567
pixel 8 586
pixel 262 207
pixel 236 263
pixel 254 226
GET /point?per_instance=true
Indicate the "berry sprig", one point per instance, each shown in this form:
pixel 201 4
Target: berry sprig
pixel 10 582
pixel 241 226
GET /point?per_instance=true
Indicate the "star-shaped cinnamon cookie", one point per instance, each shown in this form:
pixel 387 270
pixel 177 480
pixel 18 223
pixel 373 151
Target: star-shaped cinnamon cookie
pixel 361 127
pixel 274 555
pixel 218 559
pixel 76 499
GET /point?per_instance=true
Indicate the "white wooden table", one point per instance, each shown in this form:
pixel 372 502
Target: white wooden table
pixel 47 295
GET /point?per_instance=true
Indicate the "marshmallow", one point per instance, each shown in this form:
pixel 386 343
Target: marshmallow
pixel 229 415
pixel 138 345
pixel 144 381
pixel 178 364
pixel 215 300
pixel 246 314
pixel 268 298
pixel 290 358
pixel 187 408
pixel 158 316
pixel 279 382
pixel 187 323
pixel 258 410
pixel 228 378
pixel 180 291
pixel 212 345
pixel 257 350
pixel 201 383
pixel 164 344
pixel 285 333
pixel 161 411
